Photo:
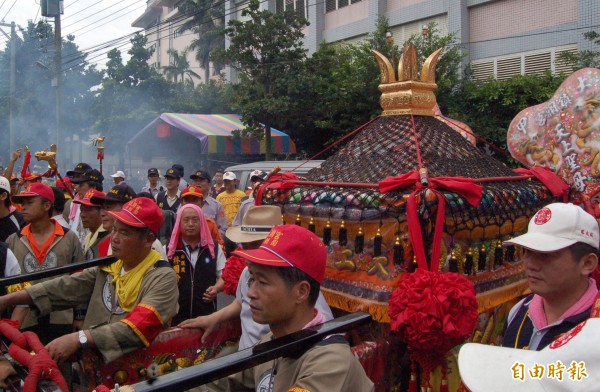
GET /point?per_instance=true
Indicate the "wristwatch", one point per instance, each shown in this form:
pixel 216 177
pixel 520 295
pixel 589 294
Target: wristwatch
pixel 83 340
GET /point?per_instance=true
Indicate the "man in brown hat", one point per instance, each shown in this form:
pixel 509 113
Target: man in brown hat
pixel 129 301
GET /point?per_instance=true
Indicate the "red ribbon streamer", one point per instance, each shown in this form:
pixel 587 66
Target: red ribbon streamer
pixel 276 181
pixel 25 169
pixel 465 187
pixel 556 185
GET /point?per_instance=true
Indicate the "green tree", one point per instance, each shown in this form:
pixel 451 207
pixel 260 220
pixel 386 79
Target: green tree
pixel 180 66
pixel 130 95
pixel 266 50
pixel 589 58
pixel 35 95
pixel 489 106
pixel 206 22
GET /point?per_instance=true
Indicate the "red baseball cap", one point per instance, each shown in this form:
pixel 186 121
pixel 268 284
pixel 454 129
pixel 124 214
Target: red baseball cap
pixel 87 199
pixel 61 185
pixel 192 191
pixel 140 212
pixel 33 190
pixel 290 246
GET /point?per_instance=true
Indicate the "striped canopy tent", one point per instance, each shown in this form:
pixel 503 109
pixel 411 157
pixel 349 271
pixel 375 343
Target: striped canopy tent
pixel 215 133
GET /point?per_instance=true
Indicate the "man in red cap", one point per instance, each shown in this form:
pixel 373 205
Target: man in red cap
pixel 90 179
pixel 43 243
pixel 286 273
pixel 129 302
pixel 91 219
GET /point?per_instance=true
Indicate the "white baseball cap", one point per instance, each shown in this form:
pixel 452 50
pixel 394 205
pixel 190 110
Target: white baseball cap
pixel 557 226
pixel 491 368
pixel 229 176
pixel 119 173
pixel 4 184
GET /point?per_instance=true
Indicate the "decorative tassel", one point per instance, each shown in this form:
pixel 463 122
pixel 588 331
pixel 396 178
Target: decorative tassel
pixel 327 233
pixel 510 254
pixel 453 267
pixel 343 235
pixel 444 384
pixel 412 384
pixel 298 221
pixel 311 225
pixel 469 262
pixel 377 241
pixel 498 255
pixel 426 387
pixel 398 251
pixel 482 261
pixel 413 265
pixel 359 241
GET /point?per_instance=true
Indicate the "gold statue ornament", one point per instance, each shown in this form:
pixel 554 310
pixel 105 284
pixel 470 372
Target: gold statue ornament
pixel 407 93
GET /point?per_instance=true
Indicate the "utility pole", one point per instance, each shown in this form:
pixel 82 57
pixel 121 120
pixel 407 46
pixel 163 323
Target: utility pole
pixel 58 77
pixel 12 88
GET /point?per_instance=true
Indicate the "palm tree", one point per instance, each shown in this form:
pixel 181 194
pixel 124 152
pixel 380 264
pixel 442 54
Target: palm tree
pixel 207 21
pixel 180 66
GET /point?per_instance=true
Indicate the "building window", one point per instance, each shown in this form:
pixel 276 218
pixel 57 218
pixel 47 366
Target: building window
pixel 177 33
pixel 300 6
pixel 526 63
pixel 332 5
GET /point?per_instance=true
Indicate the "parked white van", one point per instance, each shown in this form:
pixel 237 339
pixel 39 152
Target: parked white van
pixel 242 172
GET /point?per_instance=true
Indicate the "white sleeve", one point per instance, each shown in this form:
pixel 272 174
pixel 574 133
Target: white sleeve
pixel 221 260
pixel 12 265
pixel 157 246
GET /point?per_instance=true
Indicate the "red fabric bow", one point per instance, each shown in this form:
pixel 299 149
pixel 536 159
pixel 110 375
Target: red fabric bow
pixel 276 181
pixel 557 186
pixel 465 187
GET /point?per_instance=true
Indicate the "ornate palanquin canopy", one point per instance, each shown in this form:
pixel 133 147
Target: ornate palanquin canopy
pixel 408 191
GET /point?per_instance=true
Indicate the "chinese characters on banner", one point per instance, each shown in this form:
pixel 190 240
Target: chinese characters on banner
pixel 563 134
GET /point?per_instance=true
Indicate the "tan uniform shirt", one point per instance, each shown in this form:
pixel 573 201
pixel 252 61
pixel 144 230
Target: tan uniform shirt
pixel 328 366
pixel 93 286
pixel 63 251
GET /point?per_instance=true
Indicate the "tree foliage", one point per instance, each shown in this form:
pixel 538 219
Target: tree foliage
pixel 180 67
pixel 489 106
pixel 35 103
pixel 585 58
pixel 266 50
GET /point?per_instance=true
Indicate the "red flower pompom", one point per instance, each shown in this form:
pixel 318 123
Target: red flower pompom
pixel 433 312
pixel 231 274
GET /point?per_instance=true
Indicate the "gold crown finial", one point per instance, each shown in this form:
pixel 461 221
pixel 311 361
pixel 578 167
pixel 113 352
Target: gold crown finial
pixel 407 93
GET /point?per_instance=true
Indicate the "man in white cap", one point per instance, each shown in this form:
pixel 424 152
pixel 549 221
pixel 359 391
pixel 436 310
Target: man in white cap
pixel 560 252
pixel 118 177
pixel 569 363
pixel 231 198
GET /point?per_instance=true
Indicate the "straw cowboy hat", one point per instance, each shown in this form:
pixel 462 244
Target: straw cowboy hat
pixel 256 224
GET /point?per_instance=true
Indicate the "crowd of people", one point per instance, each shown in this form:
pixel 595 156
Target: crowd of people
pixel 170 241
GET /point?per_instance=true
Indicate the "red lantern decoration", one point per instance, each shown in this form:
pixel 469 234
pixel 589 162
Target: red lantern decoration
pixel 163 130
